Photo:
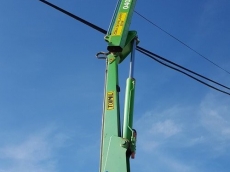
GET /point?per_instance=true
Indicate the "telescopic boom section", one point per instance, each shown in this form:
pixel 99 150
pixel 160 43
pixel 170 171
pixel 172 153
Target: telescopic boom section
pixel 119 27
pixel 116 148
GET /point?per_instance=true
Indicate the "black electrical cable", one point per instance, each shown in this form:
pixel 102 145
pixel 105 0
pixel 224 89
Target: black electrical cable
pixel 75 17
pixel 143 51
pixel 153 54
pixel 186 45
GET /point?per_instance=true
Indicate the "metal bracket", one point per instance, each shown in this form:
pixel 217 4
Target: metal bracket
pixel 102 55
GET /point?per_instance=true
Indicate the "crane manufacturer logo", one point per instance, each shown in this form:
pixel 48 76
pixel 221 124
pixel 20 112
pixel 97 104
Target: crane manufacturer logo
pixel 127 4
pixel 110 100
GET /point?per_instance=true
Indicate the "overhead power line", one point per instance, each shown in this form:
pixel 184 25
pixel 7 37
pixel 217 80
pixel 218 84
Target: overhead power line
pixel 179 66
pixel 156 58
pixel 75 17
pixel 149 53
pixel 186 45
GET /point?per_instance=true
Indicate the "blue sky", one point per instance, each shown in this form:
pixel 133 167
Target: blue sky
pixel 51 89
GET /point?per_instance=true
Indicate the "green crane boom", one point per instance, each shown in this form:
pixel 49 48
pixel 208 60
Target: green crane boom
pixel 117 147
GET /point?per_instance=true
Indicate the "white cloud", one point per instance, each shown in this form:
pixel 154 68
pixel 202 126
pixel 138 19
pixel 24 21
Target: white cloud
pixel 215 119
pixel 34 154
pixel 195 141
pixel 181 138
pixel 156 126
pixel 176 165
pixel 167 128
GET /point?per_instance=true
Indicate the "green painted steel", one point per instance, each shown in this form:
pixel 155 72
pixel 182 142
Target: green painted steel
pixel 128 45
pixel 115 148
pixel 128 109
pixel 128 132
pixel 123 15
pixel 113 19
pixel 111 118
pixel 115 158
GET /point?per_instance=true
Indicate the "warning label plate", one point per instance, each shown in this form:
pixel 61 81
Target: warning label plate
pixel 110 100
pixel 119 24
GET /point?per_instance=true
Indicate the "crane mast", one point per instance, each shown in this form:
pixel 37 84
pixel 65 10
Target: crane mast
pixel 118 146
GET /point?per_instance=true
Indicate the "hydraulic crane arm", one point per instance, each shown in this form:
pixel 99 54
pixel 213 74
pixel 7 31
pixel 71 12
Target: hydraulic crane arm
pixel 116 148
